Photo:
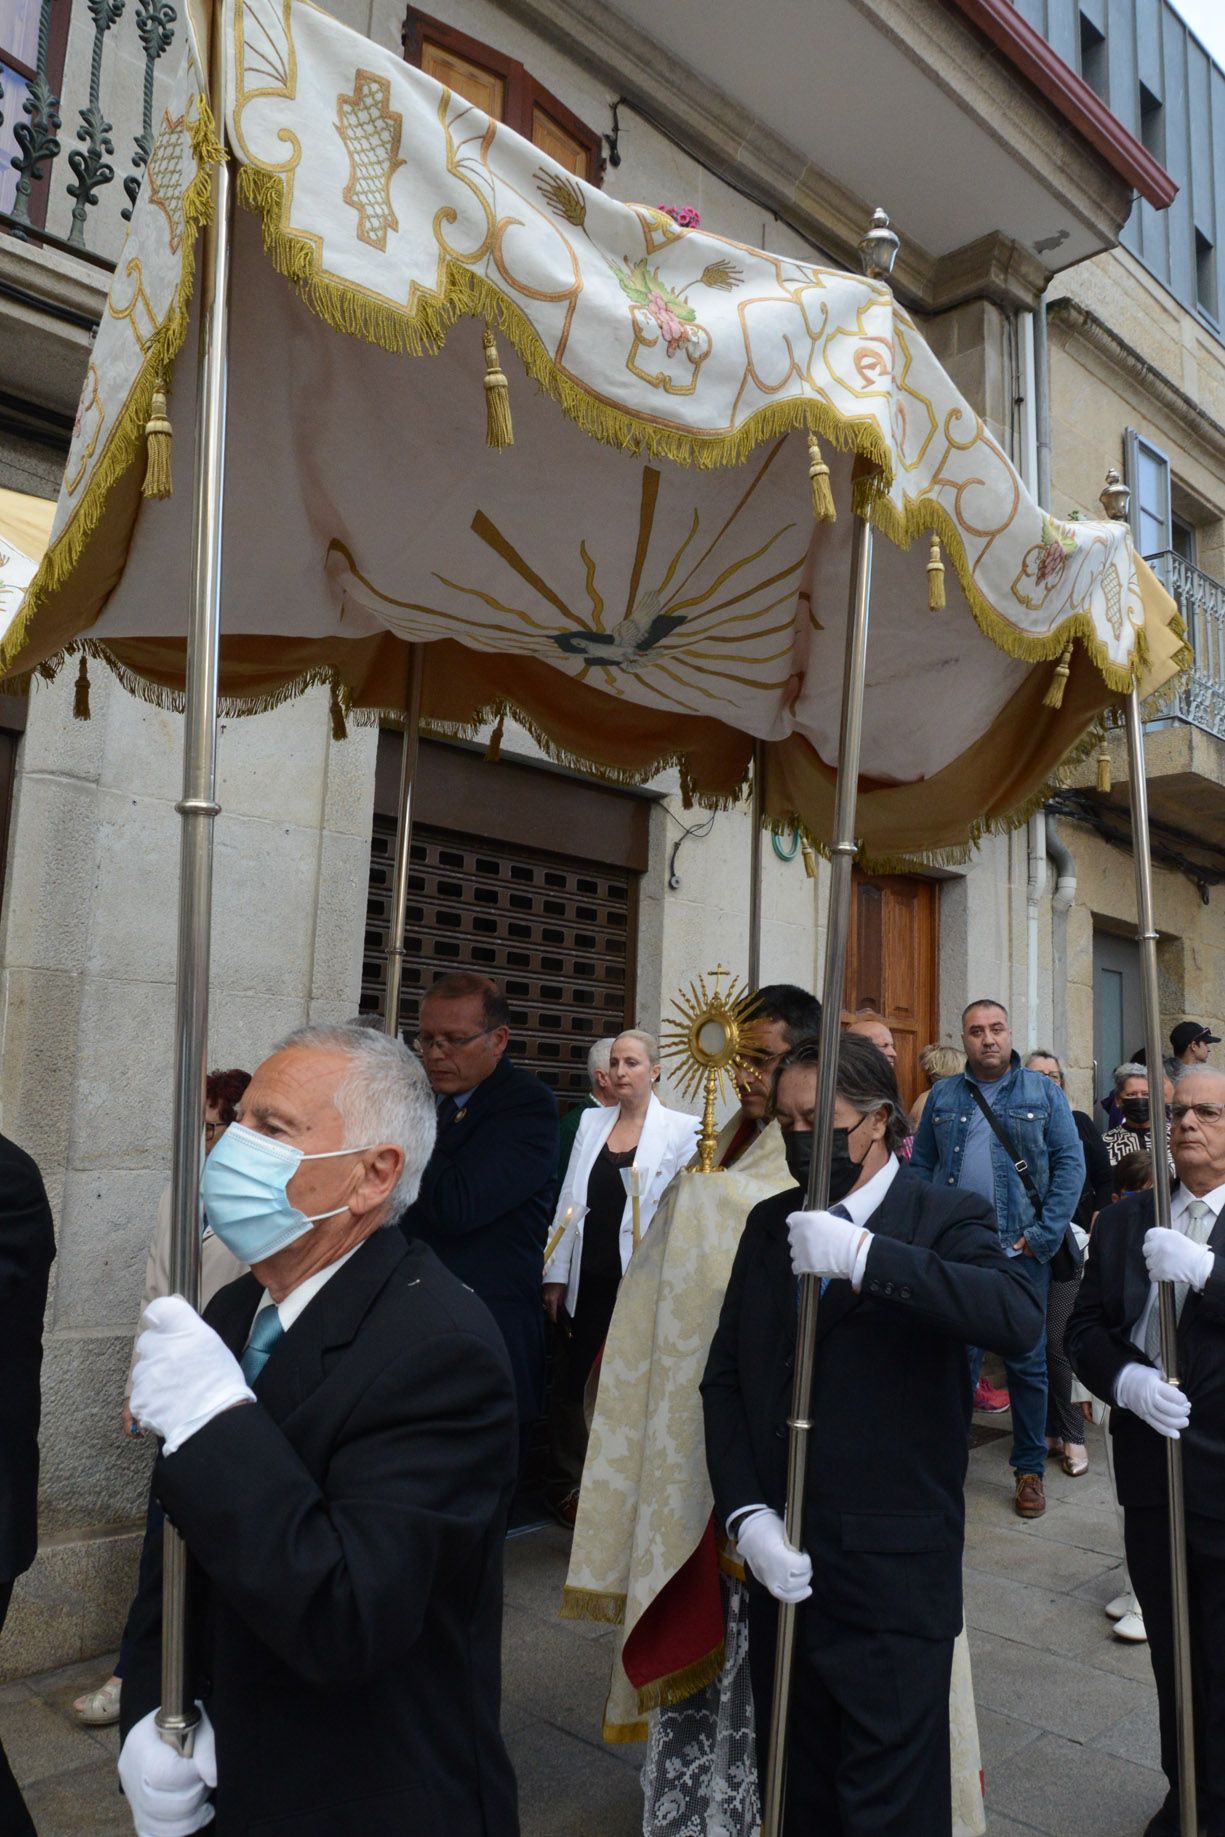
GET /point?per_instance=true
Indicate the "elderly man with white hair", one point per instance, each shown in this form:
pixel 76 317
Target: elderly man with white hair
pixel 338 1449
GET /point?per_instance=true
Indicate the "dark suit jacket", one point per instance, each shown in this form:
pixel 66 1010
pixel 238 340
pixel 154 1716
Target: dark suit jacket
pixel 345 1535
pixel 884 1513
pixel 27 1250
pixel 485 1206
pixel 1097 1190
pixel 1112 1295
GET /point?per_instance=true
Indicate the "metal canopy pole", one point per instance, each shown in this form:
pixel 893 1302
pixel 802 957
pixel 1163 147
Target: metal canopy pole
pixel 878 250
pixel 177 1719
pixel 1115 500
pixel 404 839
pixel 757 817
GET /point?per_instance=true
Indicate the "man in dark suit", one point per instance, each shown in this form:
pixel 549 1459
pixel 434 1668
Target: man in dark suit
pixel 342 1491
pixel 916 1273
pixel 27 1250
pixel 486 1199
pixel 1113 1342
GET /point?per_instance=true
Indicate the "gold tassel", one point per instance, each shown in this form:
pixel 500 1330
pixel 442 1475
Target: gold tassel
pixel 340 727
pixel 80 699
pixel 498 429
pixel 1105 774
pixel 810 860
pixel 1063 669
pixel 935 577
pixel 493 751
pixel 822 491
pixel 157 448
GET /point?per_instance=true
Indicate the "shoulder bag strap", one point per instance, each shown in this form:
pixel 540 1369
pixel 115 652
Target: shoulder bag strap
pixel 1001 1134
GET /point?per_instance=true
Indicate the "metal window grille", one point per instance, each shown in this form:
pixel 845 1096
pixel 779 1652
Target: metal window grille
pixel 556 933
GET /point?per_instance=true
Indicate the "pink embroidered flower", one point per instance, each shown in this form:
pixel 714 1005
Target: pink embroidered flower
pixel 667 322
pixel 1050 563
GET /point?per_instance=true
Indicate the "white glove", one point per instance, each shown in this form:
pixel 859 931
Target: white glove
pixel 1145 1392
pixel 184 1373
pixel 823 1245
pixel 1171 1257
pixel 168 1793
pixel 762 1542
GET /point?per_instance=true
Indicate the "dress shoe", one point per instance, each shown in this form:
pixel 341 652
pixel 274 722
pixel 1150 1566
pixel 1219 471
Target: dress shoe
pixel 1029 1499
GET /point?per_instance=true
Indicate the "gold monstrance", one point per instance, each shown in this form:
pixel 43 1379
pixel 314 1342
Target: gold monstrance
pixel 707 1040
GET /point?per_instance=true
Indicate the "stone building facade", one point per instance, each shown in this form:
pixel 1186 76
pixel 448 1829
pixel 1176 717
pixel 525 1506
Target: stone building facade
pixel 765 137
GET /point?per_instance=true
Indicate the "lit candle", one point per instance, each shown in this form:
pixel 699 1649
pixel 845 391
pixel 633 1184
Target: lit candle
pixel 555 1240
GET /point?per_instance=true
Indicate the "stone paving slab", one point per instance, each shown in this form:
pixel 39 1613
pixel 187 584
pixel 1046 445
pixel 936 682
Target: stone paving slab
pixel 1041 1785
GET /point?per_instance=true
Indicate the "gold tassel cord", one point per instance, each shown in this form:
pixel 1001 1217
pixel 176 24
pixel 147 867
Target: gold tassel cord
pixel 493 751
pixel 158 432
pixel 80 699
pixel 1105 774
pixel 340 727
pixel 810 860
pixel 823 508
pixel 935 577
pixel 498 429
pixel 1059 682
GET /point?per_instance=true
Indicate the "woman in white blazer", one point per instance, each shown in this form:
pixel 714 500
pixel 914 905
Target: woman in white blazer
pixel 636 1136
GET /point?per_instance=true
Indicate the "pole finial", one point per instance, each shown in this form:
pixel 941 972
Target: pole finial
pixel 878 247
pixel 1116 498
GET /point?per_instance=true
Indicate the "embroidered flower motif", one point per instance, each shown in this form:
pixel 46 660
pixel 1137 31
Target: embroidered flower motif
pixel 667 322
pixel 646 288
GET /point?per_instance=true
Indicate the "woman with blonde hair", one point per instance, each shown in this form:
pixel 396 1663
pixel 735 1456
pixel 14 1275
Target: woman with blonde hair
pixel 634 1142
pixel 935 1062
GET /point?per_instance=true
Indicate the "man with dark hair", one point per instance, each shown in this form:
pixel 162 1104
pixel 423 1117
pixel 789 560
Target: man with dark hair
pixel 1190 1041
pixel 911 1274
pixel 27 1249
pixel 486 1197
pixel 783 1014
pixel 1034 1185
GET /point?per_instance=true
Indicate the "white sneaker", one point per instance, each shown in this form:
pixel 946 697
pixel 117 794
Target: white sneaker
pixel 1121 1606
pixel 1131 1628
pixel 99 1709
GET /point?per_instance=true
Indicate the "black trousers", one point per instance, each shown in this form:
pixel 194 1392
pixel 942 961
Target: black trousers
pixel 1146 1537
pixel 868 1752
pixel 15 1820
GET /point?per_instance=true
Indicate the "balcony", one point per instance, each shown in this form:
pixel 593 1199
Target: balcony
pixel 1184 746
pixel 82 86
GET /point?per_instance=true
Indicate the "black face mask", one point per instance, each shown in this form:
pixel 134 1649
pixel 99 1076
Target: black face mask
pixel 844 1170
pixel 1136 1111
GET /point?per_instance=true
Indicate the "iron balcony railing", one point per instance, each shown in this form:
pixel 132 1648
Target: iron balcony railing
pixel 1198 695
pixel 50 189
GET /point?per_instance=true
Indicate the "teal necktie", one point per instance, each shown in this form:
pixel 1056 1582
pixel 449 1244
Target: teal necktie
pixel 266 1330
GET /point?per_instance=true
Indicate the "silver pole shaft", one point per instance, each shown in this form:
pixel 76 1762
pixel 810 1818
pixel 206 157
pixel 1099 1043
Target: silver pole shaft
pixel 757 817
pixel 1147 935
pixel 404 840
pixel 837 930
pixel 177 1718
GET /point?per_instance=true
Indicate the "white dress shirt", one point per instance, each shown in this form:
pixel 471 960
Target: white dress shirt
pixel 298 1299
pixel 1180 1204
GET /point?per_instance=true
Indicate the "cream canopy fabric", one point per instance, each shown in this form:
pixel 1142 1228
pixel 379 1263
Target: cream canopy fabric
pixel 25 526
pixel 657 593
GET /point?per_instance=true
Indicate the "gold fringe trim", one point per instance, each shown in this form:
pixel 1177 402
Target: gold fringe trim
pixel 618 1734
pixel 663 1692
pixel 128 434
pixel 498 429
pixel 1059 682
pixel 590 1604
pixel 467 294
pixel 935 577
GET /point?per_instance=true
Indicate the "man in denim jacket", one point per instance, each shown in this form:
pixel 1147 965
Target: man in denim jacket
pixel 956 1146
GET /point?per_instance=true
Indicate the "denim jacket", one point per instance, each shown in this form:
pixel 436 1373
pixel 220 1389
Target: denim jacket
pixel 1035 1113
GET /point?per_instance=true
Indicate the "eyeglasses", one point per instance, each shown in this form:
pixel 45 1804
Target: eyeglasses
pixel 1206 1112
pixel 212 1129
pixel 446 1042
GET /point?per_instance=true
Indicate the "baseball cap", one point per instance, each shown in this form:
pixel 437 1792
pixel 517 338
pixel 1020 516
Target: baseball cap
pixel 1187 1032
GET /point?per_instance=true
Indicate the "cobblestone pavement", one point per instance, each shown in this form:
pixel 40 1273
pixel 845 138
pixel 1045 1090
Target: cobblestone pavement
pixel 1066 1712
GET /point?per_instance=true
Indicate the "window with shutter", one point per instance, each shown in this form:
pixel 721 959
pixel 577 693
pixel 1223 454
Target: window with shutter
pixel 504 90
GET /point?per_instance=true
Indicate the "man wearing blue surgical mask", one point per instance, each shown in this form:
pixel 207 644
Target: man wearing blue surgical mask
pixel 338 1450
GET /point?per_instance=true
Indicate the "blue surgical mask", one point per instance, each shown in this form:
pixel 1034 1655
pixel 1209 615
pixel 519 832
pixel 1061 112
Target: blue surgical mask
pixel 242 1189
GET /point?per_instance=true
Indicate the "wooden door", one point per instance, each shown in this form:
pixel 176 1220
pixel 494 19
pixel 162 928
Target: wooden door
pixel 892 963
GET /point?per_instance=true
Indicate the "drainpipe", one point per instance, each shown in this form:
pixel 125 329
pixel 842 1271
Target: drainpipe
pixel 1034 890
pixel 1061 901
